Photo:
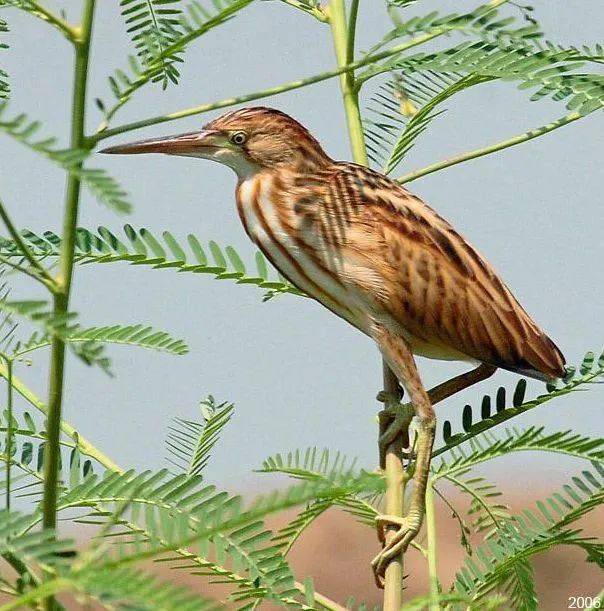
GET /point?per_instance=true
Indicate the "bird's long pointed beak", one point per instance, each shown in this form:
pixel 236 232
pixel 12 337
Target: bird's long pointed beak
pixel 180 144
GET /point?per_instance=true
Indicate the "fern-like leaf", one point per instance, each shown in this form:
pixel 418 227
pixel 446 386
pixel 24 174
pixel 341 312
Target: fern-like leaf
pixel 121 588
pixel 495 411
pixel 154 26
pixel 311 464
pixel 101 185
pixel 159 64
pixel 533 532
pixel 39 548
pixel 142 247
pixel 168 515
pixel 392 133
pixel 190 443
pixel 27 458
pixel 488 447
pixel 130 335
pixel 484 23
pixel 548 70
pixel 86 343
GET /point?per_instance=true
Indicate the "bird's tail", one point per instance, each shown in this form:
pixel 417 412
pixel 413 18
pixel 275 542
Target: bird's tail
pixel 542 360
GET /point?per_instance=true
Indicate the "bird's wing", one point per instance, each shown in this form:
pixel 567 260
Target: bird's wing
pixel 442 291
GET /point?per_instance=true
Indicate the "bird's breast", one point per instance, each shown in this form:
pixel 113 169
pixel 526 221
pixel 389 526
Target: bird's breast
pixel 296 244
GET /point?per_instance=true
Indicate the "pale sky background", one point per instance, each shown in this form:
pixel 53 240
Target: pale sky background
pixel 298 375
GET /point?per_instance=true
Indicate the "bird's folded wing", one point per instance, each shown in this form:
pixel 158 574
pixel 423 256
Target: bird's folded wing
pixel 439 288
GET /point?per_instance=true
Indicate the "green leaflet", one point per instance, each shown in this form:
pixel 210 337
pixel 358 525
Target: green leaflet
pixel 428 80
pixel 129 335
pixel 27 457
pixel 390 134
pixel 547 69
pixel 484 22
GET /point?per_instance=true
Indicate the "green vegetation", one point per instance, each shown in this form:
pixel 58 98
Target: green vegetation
pixel 173 516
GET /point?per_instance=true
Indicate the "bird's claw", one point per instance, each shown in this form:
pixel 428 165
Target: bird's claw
pixel 394 421
pixel 408 527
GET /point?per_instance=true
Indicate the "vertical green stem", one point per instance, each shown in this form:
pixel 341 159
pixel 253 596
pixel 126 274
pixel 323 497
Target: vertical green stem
pixel 340 35
pixel 63 280
pixel 62 288
pixel 343 35
pixel 431 544
pixel 396 480
pixel 9 430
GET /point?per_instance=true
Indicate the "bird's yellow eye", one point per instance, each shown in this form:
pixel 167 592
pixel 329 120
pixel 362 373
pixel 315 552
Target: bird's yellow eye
pixel 238 138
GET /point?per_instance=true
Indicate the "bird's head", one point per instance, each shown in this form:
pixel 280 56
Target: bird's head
pixel 247 140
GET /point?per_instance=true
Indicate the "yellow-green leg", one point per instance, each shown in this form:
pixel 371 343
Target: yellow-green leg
pixel 395 420
pixel 396 416
pixel 400 359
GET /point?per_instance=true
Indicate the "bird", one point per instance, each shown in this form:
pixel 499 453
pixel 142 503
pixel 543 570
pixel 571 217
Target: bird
pixel 378 257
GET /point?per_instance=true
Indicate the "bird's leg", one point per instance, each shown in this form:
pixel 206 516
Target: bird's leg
pixel 461 382
pixel 394 420
pixel 400 359
pixel 396 416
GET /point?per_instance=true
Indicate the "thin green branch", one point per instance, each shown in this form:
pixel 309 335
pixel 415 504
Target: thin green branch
pixel 52 451
pixel 248 97
pixel 341 41
pixel 9 432
pixel 499 146
pixel 84 446
pixel 24 270
pixel 45 14
pixel 352 30
pixel 27 253
pixel 394 469
pixel 432 550
pixel 322 600
pixel 315 11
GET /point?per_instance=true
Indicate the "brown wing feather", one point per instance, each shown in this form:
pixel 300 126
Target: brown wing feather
pixel 445 292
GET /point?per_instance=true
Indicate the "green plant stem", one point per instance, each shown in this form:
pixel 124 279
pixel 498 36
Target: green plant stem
pixel 323 601
pixel 85 446
pixel 9 430
pixel 352 30
pixel 52 449
pixel 498 146
pixel 248 97
pixel 432 549
pixel 394 469
pixel 396 482
pixel 341 37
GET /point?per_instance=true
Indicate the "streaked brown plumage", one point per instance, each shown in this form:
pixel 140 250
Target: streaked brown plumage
pixel 374 254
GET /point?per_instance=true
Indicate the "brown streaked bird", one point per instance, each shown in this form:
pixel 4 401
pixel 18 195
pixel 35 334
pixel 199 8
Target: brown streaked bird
pixel 378 257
